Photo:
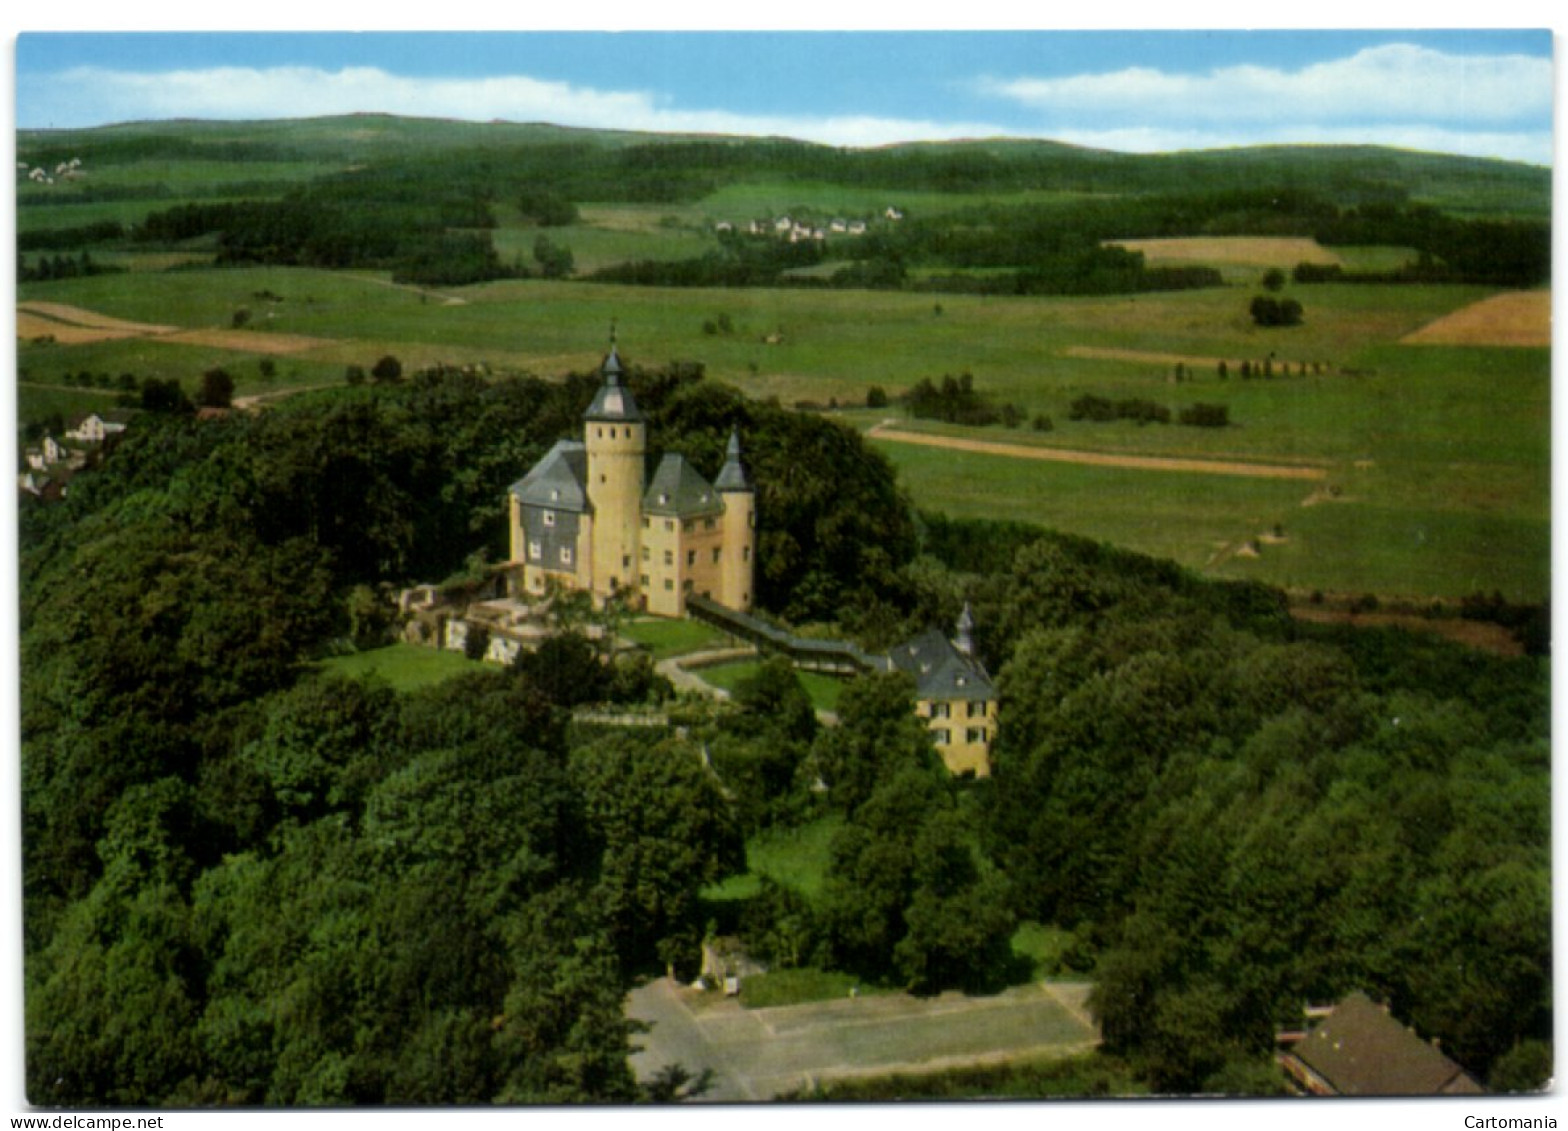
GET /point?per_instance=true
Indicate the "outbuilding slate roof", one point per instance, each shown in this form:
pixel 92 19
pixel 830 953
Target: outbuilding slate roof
pixel 678 489
pixel 941 671
pixel 557 480
pixel 1360 1050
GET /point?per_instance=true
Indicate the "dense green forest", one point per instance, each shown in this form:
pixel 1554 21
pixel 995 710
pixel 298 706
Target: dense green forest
pixel 248 883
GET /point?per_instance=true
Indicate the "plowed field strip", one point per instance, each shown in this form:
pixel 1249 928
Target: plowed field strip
pixel 1100 459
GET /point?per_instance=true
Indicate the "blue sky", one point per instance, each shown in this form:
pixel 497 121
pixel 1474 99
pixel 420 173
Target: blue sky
pixel 1480 92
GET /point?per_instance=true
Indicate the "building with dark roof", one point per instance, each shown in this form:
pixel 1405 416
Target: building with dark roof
pixel 1359 1049
pixel 587 517
pixel 954 693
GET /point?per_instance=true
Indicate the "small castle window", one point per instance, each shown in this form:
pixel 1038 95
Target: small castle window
pixel 534 552
pixel 549 518
pixel 691 557
pixel 669 557
pixel 716 553
pixel 974 734
pixel 669 584
pixel 663 499
pixel 943 737
pixel 566 555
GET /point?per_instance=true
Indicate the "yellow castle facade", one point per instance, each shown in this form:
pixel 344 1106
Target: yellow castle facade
pixel 586 517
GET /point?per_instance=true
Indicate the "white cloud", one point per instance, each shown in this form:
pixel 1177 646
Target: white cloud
pixel 93 95
pixel 1395 82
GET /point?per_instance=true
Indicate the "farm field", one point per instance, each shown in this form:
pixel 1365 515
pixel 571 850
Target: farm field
pixel 1447 443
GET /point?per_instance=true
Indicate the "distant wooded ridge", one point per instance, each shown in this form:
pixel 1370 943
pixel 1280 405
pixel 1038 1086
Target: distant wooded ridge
pixel 422 202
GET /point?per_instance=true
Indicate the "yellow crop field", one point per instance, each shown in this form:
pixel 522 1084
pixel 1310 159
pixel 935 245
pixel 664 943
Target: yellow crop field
pixel 1234 251
pixel 1517 318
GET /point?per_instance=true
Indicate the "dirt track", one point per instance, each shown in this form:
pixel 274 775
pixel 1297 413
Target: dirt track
pixel 884 431
pixel 73 325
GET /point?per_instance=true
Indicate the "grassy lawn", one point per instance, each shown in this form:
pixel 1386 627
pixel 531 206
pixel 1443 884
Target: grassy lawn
pixel 796 858
pixel 407 667
pixel 806 983
pixel 665 638
pixel 823 690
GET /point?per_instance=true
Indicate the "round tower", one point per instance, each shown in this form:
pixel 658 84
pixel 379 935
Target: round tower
pixel 616 437
pixel 740 530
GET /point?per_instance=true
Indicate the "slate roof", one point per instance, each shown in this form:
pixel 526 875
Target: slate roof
pixel 732 476
pixel 941 671
pixel 613 401
pixel 677 488
pixel 1361 1050
pixel 557 480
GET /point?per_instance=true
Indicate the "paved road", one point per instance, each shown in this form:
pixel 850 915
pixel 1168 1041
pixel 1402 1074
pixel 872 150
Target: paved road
pixel 756 1054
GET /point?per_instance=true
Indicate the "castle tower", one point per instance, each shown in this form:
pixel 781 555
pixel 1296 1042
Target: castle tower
pixel 740 530
pixel 615 435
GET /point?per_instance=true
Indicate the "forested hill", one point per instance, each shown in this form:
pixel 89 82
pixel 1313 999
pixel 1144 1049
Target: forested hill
pixel 607 164
pixel 248 883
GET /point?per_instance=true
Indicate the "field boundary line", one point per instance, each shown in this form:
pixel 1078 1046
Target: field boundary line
pixel 893 435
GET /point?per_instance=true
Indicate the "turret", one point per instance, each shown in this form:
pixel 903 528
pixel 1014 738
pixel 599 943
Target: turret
pixel 615 435
pixel 965 640
pixel 740 529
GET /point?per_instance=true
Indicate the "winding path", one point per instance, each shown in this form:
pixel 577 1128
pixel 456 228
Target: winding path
pixel 887 432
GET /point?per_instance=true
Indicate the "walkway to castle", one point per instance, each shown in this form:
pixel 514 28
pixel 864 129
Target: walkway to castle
pixel 760 1054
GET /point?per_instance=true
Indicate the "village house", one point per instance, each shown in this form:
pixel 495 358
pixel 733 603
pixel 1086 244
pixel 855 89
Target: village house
pixel 954 694
pixel 585 517
pixel 95 427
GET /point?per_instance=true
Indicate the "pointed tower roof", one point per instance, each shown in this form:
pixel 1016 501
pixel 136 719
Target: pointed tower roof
pixel 732 476
pixel 965 640
pixel 614 400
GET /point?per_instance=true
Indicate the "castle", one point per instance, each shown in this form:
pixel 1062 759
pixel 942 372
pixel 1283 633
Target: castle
pixel 586 518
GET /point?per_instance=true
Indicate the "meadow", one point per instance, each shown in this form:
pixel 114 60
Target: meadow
pixel 1438 455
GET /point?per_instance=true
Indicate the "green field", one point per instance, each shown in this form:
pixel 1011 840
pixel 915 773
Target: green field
pixel 1438 457
pixel 1450 443
pixel 406 667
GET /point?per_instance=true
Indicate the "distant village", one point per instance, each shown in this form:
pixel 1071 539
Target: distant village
pixel 799 229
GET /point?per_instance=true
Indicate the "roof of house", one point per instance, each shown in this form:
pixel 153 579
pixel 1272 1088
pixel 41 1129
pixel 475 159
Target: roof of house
pixel 557 480
pixel 614 400
pixel 677 488
pixel 941 671
pixel 1361 1050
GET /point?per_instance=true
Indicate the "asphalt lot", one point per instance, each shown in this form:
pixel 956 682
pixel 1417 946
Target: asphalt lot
pixel 758 1054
